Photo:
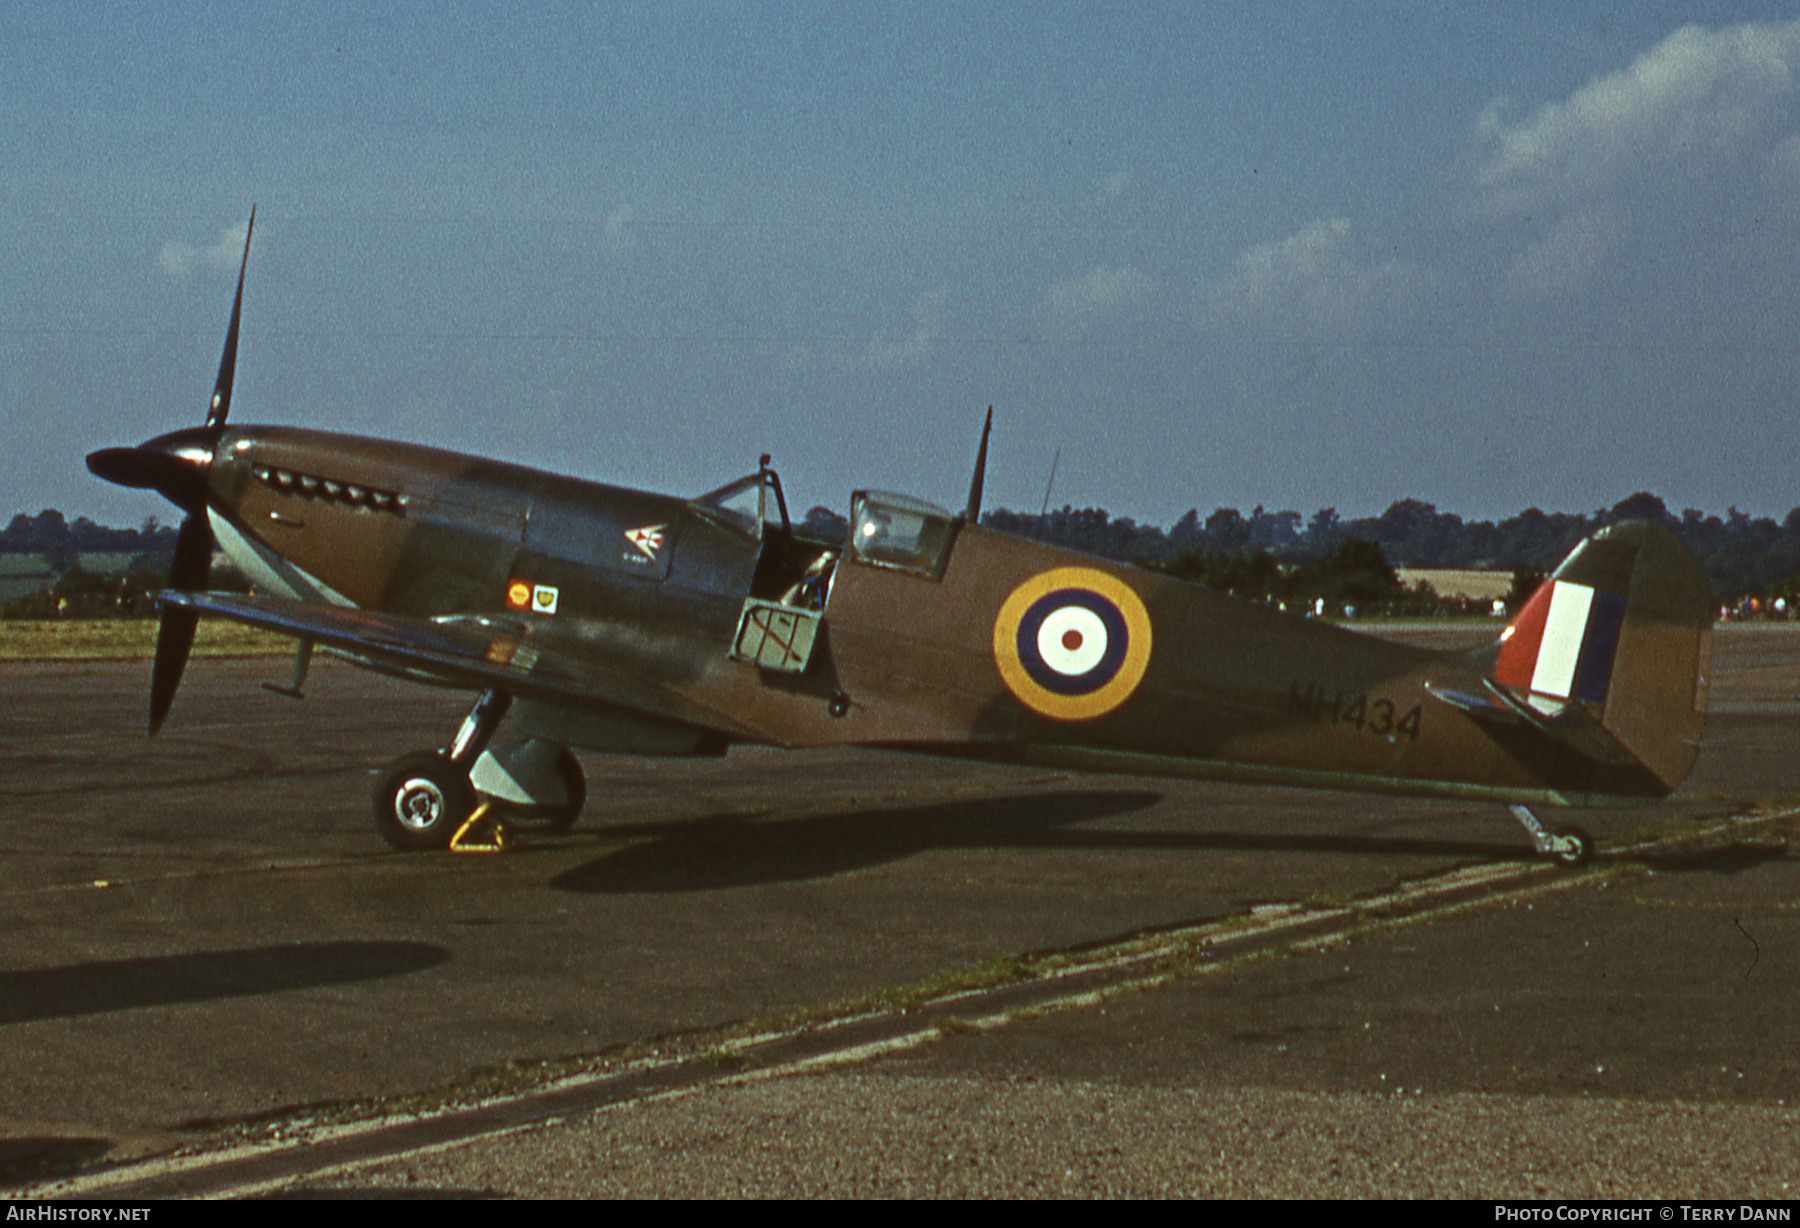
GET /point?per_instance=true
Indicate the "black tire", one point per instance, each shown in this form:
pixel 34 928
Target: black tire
pixel 421 800
pixel 555 819
pixel 1578 856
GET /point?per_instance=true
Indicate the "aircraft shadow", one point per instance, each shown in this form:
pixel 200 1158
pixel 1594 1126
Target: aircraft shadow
pixel 1355 846
pixel 732 852
pixel 1717 859
pixel 24 1160
pixel 736 852
pixel 168 980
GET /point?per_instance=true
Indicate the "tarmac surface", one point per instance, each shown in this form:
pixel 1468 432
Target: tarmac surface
pixel 206 944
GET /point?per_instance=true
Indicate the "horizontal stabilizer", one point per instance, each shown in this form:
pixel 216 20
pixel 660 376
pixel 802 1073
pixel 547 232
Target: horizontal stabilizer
pixel 1571 724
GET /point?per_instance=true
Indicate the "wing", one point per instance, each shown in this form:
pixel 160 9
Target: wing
pixel 473 651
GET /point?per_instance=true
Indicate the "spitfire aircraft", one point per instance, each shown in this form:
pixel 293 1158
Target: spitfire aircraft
pixel 615 620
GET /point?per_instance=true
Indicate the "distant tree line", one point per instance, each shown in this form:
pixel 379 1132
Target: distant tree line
pixel 48 534
pixel 1354 578
pixel 1276 556
pixel 132 564
pixel 80 593
pixel 1741 556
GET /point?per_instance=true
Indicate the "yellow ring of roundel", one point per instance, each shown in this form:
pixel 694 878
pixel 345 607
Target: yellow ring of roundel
pixel 1072 707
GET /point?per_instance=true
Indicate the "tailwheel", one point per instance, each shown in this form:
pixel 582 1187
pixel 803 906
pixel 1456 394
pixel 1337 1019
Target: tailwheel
pixel 1570 846
pixel 422 800
pixel 1566 846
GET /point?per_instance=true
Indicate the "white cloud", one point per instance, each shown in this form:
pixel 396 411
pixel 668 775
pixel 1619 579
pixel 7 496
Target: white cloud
pixel 1318 280
pixel 178 259
pixel 1643 155
pixel 1695 98
pixel 1103 290
pixel 1562 261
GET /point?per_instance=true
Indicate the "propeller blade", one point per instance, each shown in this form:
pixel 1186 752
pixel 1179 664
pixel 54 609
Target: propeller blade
pixel 173 640
pixel 193 555
pixel 175 637
pixel 221 397
pixel 177 465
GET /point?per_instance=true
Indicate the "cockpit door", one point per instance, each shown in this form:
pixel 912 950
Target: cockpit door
pixel 784 607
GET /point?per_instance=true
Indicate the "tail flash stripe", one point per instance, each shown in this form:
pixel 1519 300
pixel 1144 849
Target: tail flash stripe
pixel 1563 643
pixel 1594 671
pixel 1519 643
pixel 1563 631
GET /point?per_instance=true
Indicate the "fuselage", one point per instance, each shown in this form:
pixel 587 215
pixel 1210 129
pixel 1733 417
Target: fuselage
pixel 654 586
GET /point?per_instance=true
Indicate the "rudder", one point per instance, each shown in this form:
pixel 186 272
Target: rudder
pixel 1623 628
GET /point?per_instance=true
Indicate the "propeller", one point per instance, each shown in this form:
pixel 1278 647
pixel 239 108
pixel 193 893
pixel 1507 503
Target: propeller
pixel 176 466
pixel 221 397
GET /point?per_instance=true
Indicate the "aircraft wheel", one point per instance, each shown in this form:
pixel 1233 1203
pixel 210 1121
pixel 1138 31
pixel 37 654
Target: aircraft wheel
pixel 556 819
pixel 1577 847
pixel 421 800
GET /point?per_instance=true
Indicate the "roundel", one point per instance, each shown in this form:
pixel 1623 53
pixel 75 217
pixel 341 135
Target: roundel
pixel 1072 643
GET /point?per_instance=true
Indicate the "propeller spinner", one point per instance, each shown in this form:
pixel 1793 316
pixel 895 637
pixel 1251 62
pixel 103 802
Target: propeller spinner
pixel 176 466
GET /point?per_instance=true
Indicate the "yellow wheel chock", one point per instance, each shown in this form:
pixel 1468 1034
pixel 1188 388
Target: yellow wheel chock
pixel 464 842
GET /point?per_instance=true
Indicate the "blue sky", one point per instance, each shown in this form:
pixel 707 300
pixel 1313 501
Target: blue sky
pixel 1325 255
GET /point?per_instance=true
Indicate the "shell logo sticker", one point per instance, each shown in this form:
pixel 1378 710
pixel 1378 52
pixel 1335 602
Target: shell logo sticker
pixel 1072 643
pixel 538 598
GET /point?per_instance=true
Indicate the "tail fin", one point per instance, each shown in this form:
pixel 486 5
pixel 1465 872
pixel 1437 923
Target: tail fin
pixel 1622 628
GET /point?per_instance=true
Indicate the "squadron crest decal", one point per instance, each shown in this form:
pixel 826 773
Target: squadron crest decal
pixel 1072 643
pixel 647 540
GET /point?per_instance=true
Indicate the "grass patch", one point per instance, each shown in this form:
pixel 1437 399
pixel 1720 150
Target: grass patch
pixel 985 975
pixel 128 639
pixel 725 1059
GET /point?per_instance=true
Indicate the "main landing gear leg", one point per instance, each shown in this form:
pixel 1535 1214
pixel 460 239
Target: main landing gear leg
pixel 1569 846
pixel 424 800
